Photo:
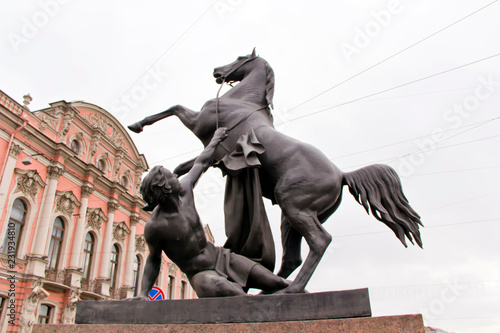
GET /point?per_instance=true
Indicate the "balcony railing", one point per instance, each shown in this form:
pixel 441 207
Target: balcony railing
pixel 56 275
pixel 89 285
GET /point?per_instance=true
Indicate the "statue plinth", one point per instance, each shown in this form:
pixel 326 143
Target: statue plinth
pixel 239 309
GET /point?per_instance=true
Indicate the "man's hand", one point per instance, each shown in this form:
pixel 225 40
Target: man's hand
pixel 220 134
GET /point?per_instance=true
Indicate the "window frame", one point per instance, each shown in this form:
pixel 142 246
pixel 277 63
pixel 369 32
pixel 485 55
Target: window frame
pixel 53 239
pixel 170 287
pixel 114 261
pixel 78 146
pixel 87 264
pixel 48 317
pixel 18 231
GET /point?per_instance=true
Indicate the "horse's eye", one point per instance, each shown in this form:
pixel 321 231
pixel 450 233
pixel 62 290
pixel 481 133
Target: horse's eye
pixel 241 58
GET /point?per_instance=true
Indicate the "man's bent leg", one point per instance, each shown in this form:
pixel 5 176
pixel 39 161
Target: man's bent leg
pixel 262 278
pixel 211 284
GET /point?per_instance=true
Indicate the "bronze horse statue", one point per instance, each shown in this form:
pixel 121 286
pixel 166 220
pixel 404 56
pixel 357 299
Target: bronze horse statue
pixel 297 176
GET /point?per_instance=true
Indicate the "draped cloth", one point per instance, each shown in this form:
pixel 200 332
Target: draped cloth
pixel 247 227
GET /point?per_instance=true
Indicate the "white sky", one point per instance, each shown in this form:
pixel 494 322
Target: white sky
pixel 137 58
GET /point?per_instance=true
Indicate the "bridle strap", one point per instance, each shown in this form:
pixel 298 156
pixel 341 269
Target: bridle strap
pixel 218 91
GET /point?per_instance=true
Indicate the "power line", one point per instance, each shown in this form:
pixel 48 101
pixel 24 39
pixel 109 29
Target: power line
pixel 389 89
pixel 408 140
pixel 452 171
pixel 462 201
pixel 450 137
pixel 169 48
pixel 426 227
pixel 393 159
pixel 392 56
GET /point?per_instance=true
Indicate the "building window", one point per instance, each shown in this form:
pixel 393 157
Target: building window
pixel 3 304
pixel 114 265
pixel 15 226
pixel 137 271
pixel 101 165
pixel 55 243
pixel 75 146
pixel 170 287
pixel 88 252
pixel 183 289
pixel 124 181
pixel 44 313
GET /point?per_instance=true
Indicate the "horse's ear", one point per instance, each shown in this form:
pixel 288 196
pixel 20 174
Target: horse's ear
pixel 253 53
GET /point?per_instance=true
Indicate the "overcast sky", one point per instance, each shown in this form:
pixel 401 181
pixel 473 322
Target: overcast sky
pixel 414 84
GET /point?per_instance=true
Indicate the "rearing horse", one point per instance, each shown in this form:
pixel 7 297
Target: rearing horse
pixel 297 176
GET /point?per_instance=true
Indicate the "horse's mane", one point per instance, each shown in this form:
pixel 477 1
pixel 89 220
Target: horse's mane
pixel 269 84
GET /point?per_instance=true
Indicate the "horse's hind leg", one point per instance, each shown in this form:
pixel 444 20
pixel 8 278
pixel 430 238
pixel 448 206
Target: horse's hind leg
pixel 291 241
pixel 306 223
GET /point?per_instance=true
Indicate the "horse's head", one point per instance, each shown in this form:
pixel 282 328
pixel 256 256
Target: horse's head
pixel 239 68
pixel 234 71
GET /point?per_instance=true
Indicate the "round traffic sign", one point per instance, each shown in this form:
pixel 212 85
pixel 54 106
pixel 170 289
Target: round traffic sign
pixel 156 294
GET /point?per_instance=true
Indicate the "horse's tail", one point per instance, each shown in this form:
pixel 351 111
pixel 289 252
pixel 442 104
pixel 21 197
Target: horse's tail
pixel 378 188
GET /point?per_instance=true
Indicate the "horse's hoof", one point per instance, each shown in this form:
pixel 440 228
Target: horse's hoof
pixel 288 291
pixel 136 127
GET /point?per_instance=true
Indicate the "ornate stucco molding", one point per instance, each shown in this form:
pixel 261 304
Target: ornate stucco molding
pixel 15 150
pixel 54 171
pixel 111 131
pixel 29 182
pixel 66 202
pixel 140 243
pixel 120 231
pixel 95 218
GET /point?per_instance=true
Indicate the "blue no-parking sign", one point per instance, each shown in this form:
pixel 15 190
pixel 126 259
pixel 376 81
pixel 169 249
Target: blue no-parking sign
pixel 156 294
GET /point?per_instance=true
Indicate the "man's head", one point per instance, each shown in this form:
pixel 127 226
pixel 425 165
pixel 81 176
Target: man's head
pixel 157 186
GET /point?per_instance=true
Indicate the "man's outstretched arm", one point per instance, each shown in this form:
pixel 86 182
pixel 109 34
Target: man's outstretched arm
pixel 151 271
pixel 206 158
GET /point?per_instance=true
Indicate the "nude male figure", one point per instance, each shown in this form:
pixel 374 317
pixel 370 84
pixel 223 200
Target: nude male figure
pixel 175 228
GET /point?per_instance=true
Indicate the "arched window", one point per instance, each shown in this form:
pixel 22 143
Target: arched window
pixel 14 227
pixel 101 165
pixel 114 265
pixel 124 181
pixel 183 289
pixel 88 253
pixel 55 243
pixel 137 271
pixel 170 287
pixel 75 146
pixel 45 313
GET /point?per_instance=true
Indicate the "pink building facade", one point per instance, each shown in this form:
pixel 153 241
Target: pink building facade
pixel 70 214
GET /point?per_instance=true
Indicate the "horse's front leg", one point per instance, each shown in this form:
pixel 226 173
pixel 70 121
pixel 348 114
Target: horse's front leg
pixel 188 118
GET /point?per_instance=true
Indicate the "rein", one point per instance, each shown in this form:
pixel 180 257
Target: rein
pixel 218 92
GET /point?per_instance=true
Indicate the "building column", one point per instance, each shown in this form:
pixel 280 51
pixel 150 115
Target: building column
pixel 75 267
pixel 128 282
pixel 14 152
pixel 106 249
pixel 38 254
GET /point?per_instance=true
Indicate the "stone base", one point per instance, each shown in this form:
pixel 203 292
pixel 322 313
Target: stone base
pixel 240 309
pixel 392 324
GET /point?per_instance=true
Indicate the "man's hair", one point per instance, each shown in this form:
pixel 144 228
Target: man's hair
pixel 155 186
